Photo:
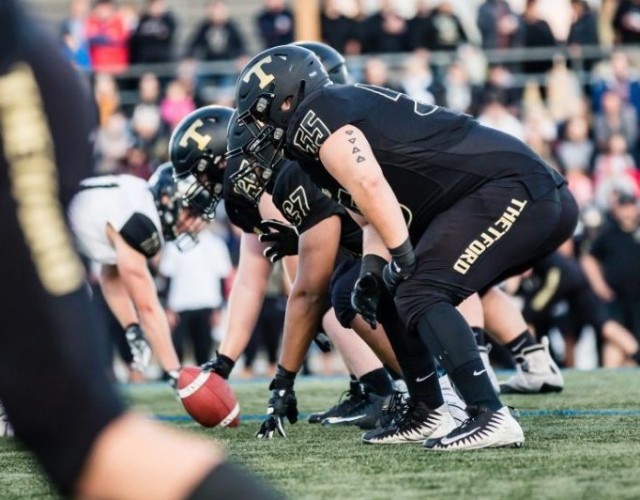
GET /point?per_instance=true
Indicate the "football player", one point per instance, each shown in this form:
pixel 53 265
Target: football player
pixel 121 221
pixel 197 150
pixel 454 207
pixel 52 381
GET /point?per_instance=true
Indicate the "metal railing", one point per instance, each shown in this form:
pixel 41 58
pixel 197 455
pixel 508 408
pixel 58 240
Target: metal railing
pixel 576 61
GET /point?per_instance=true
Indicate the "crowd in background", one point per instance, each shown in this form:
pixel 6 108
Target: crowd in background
pixel 584 123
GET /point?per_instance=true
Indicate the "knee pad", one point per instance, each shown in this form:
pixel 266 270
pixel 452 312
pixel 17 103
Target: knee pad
pixel 447 335
pixel 342 283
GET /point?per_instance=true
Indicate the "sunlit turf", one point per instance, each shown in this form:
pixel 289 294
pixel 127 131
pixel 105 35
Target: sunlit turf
pixel 592 452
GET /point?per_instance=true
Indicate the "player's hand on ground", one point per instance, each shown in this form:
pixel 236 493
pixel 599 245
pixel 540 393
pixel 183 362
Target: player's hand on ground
pixel 365 297
pixel 282 239
pixel 140 349
pixel 282 404
pixel 401 266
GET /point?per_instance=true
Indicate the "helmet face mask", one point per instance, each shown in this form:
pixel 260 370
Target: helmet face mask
pixel 252 157
pixel 197 149
pixel 164 189
pixel 268 92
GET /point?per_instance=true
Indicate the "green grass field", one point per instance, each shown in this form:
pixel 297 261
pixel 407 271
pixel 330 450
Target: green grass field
pixel 582 443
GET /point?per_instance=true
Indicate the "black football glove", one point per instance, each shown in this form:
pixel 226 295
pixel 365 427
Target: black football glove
pixel 282 404
pixel 283 239
pixel 401 267
pixel 221 364
pixel 365 297
pixel 140 349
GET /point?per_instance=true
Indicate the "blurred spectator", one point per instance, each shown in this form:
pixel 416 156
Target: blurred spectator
pixel 376 73
pixel 564 93
pixel 534 33
pixel 583 31
pixel 149 89
pixel 176 104
pixel 417 80
pixel 217 37
pixel 196 280
pixel 626 22
pixel 613 264
pixel 615 172
pixel 339 29
pixel 108 37
pixel 385 31
pixel 495 115
pixel 620 80
pixel 440 30
pixel 498 24
pixel 456 92
pixel 575 152
pixel 152 40
pixel 147 130
pixel 128 12
pixel 187 75
pixel 136 162
pixel 112 144
pixel 500 87
pixel 540 131
pixel 615 117
pixel 106 95
pixel 275 24
pixel 73 31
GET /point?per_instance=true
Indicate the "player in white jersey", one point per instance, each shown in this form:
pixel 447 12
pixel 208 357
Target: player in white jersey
pixel 120 222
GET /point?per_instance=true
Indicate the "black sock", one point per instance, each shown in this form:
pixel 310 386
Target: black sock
pixel 471 378
pixel 525 339
pixel 478 333
pixel 354 384
pixel 416 362
pixel 228 480
pixel 421 378
pixel 449 337
pixel 392 373
pixel 378 381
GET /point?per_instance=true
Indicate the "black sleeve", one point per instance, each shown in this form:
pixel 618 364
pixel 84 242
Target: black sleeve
pixel 301 202
pixel 142 235
pixel 317 117
pixel 49 337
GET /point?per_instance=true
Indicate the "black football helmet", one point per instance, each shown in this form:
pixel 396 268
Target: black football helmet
pixel 164 188
pixel 197 151
pixel 273 77
pixel 332 60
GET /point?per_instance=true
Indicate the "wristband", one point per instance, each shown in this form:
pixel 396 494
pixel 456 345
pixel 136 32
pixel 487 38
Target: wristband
pixel 404 253
pixel 284 379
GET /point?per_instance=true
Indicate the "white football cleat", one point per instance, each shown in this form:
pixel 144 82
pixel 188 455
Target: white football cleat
pixel 6 429
pixel 536 372
pixel 486 429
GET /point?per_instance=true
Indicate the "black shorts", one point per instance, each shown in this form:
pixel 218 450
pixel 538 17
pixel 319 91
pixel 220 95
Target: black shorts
pixel 495 232
pixel 343 279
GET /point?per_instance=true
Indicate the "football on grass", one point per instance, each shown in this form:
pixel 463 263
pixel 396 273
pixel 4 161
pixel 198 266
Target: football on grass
pixel 208 398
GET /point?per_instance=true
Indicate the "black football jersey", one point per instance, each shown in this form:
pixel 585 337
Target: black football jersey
pixel 304 205
pixel 430 156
